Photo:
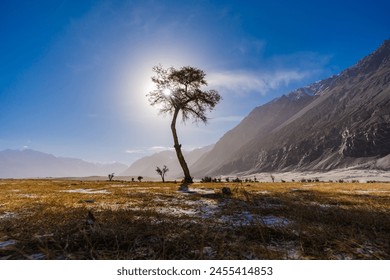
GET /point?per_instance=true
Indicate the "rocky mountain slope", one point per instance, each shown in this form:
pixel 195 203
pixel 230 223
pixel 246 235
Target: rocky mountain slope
pixel 338 122
pixel 146 166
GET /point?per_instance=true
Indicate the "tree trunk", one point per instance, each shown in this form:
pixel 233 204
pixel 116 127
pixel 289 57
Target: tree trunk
pixel 180 157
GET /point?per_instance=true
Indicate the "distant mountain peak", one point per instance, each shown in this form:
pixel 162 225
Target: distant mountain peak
pixel 28 163
pixel 300 93
pixel 378 59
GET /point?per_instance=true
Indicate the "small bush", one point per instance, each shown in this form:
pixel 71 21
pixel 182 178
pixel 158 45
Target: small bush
pixel 206 179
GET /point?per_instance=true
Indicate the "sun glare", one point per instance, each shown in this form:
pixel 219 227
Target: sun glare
pixel 167 92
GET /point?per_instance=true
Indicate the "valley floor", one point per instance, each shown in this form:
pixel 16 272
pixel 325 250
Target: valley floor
pixel 70 219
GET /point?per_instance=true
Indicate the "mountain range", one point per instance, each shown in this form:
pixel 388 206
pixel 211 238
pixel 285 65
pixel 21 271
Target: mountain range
pixel 28 163
pixel 342 121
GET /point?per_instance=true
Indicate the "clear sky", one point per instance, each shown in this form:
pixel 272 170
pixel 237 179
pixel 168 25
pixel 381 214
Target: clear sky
pixel 74 74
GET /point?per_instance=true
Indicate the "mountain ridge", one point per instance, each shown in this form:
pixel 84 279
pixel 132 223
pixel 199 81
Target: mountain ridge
pixel 344 122
pixel 29 163
pixel 146 166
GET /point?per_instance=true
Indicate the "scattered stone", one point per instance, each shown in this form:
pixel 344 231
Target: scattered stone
pixel 90 220
pixel 183 188
pixel 226 191
pixel 88 201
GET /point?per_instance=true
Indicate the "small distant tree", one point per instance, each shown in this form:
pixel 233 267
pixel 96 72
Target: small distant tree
pixel 179 91
pixel 237 180
pixel 206 179
pixel 162 172
pixel 110 176
pixel 140 178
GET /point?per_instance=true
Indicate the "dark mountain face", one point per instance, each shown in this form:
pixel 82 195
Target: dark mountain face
pixel 261 121
pixel 338 122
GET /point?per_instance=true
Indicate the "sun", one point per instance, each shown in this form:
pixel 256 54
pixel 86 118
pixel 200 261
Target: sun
pixel 167 92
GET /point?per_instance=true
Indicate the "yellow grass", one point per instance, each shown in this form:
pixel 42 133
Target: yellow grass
pixel 47 219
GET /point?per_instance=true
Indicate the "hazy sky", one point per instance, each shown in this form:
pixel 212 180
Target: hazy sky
pixel 74 74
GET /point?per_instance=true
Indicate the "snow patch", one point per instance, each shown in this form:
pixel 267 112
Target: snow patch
pixel 8 215
pixel 7 243
pixel 88 191
pixel 245 218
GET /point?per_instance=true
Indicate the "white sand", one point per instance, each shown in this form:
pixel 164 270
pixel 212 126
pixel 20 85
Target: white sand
pixel 346 174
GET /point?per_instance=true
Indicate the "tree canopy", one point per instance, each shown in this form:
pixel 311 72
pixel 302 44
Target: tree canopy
pixel 184 94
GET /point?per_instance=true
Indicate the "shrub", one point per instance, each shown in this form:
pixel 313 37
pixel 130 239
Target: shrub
pixel 206 179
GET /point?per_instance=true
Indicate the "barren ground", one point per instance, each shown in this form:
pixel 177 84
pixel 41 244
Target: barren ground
pixel 48 219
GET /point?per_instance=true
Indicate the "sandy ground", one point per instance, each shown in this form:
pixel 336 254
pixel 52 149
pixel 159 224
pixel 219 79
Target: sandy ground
pixel 349 175
pixel 346 174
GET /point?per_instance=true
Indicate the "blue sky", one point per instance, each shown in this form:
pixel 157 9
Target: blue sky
pixel 74 74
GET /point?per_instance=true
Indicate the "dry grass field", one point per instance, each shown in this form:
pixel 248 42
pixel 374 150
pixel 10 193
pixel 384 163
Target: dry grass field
pixel 49 219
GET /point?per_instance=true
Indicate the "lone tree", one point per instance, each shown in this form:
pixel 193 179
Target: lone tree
pixel 178 91
pixel 162 172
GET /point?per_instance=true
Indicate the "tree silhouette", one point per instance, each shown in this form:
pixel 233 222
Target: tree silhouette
pixel 178 91
pixel 162 172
